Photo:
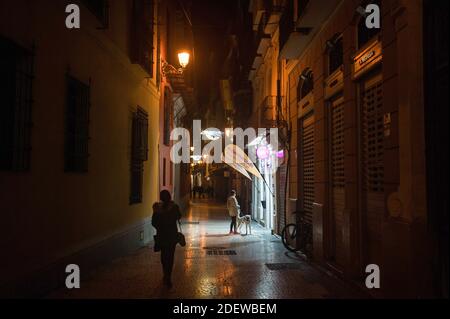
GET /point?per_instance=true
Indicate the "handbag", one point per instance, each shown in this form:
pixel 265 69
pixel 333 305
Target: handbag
pixel 180 237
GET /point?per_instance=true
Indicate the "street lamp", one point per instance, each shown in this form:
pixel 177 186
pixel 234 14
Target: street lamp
pixel 183 59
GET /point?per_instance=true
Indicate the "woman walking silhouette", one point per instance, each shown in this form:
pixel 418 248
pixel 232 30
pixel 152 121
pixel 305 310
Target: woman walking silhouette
pixel 166 214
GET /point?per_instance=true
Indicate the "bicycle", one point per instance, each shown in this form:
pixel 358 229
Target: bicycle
pixel 298 237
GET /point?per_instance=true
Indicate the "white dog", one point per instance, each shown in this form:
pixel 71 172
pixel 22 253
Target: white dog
pixel 247 220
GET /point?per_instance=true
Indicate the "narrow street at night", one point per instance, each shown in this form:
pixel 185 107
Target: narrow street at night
pixel 237 157
pixel 213 265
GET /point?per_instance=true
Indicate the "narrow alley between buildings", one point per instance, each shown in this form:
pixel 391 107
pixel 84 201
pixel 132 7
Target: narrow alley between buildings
pixel 321 122
pixel 213 264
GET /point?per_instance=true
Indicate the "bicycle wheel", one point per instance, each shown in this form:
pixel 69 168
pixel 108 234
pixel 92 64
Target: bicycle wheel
pixel 289 237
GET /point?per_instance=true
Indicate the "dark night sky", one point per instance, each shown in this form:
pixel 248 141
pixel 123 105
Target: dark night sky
pixel 210 19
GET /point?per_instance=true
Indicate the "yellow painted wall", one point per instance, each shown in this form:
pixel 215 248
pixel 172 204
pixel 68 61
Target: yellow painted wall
pixel 46 213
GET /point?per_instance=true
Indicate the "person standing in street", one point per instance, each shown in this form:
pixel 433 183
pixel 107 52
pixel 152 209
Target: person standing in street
pixel 233 211
pixel 166 214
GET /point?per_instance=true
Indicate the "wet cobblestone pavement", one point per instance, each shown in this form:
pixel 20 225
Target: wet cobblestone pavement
pixel 214 265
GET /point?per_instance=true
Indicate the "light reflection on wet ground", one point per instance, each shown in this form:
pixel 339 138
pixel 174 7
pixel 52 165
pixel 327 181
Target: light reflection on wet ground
pixel 199 275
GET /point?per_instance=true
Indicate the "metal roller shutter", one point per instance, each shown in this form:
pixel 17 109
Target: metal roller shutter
pixel 337 155
pixel 281 198
pixel 372 131
pixel 307 166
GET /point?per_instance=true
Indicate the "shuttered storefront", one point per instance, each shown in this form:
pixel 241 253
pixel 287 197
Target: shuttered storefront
pixel 337 191
pixel 281 197
pixel 372 151
pixel 307 166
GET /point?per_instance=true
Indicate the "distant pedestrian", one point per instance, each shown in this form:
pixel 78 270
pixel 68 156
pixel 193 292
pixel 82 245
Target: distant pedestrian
pixel 233 211
pixel 196 191
pixel 166 214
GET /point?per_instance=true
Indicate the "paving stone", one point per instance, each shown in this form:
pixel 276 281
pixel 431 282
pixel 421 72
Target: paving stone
pixel 199 275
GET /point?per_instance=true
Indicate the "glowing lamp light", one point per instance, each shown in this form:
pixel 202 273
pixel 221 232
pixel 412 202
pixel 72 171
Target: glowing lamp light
pixel 263 153
pixel 228 132
pixel 183 58
pixel 280 154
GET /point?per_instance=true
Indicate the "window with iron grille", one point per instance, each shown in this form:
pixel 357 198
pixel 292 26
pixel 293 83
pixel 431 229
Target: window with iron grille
pixel 100 9
pixel 76 146
pixel 142 32
pixel 167 118
pixel 139 154
pixel 365 35
pixel 305 84
pixel 335 55
pixel 158 58
pixel 16 79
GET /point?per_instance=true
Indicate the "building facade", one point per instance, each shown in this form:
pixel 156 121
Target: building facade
pixel 82 116
pixel 354 101
pixel 174 35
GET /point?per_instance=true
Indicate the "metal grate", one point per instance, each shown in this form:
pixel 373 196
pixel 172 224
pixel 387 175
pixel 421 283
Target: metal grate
pixel 337 175
pixel 284 266
pixel 76 144
pixel 307 166
pixel 217 252
pixel 281 198
pixel 373 137
pixel 372 131
pixel 194 254
pixel 139 154
pixel 16 79
pixel 337 144
pixel 142 34
pixel 167 117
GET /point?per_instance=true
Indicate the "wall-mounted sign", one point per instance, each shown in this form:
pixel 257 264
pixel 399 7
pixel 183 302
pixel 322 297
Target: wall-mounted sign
pixel 306 105
pixel 367 59
pixel 334 83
